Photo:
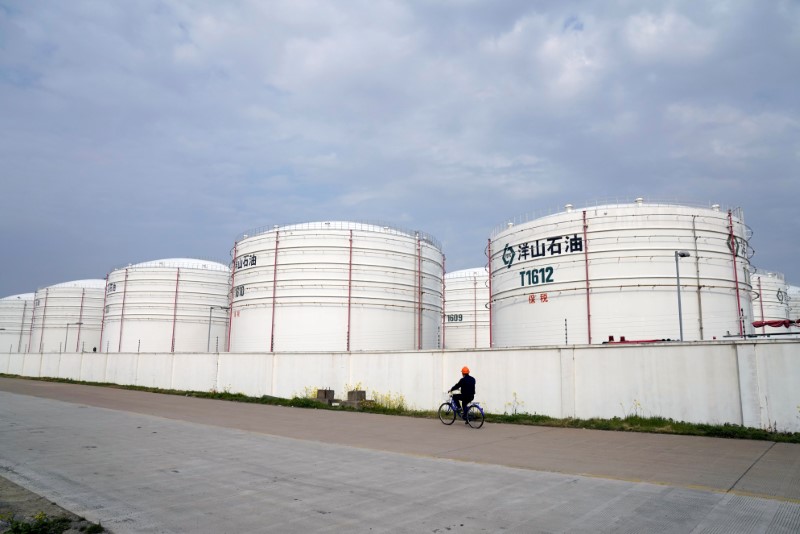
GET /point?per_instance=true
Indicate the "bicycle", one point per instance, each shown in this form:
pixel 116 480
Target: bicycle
pixel 449 409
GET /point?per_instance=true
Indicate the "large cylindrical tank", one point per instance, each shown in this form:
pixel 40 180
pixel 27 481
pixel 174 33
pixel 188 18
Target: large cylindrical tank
pixel 770 297
pixel 794 307
pixel 794 301
pixel 16 314
pixel 67 317
pixel 585 275
pixel 169 305
pixel 466 309
pixel 336 286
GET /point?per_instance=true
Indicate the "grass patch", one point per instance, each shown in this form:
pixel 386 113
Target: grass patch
pixel 394 405
pixel 41 523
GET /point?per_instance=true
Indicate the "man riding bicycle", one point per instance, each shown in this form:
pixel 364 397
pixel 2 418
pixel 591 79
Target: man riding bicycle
pixel 467 387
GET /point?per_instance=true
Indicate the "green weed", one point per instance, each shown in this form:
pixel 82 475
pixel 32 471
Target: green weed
pixel 40 524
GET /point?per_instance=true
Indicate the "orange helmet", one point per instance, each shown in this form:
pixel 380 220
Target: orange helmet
pixel 465 370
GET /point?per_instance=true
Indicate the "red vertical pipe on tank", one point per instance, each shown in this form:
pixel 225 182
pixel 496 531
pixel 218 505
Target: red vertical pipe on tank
pixel 475 311
pixel 274 289
pixel 103 320
pixel 175 309
pixel 122 313
pixel 349 288
pixel 733 247
pixel 33 319
pixel 761 302
pixel 586 262
pixel 44 316
pixel 230 295
pixel 444 299
pixel 22 325
pixel 489 253
pixel 80 322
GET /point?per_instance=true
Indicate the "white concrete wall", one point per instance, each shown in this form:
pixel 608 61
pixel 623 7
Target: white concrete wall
pixel 250 374
pixel 751 383
pixel 194 372
pixel 69 364
pixel 693 384
pixel 779 385
pixel 93 366
pixel 121 369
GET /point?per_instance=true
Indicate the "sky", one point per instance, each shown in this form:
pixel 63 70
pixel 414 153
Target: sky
pixel 136 131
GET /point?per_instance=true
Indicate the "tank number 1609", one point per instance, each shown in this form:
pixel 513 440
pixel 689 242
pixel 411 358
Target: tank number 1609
pixel 535 277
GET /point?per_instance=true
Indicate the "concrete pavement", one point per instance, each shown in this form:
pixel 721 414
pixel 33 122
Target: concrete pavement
pixel 143 462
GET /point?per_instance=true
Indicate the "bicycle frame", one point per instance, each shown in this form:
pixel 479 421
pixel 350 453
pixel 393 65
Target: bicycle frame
pixel 456 408
pixel 449 410
pixel 454 405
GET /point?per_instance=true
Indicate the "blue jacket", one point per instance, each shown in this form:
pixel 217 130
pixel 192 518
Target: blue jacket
pixel 466 385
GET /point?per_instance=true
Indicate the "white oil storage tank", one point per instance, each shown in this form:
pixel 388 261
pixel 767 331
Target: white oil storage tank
pixel 336 286
pixel 67 317
pixel 770 297
pixel 794 307
pixel 16 315
pixel 772 305
pixel 466 309
pixel 168 305
pixel 642 271
pixel 794 301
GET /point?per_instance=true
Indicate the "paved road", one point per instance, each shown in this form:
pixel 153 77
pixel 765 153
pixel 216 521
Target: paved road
pixel 143 462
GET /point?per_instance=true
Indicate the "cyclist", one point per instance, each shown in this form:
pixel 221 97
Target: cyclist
pixel 467 387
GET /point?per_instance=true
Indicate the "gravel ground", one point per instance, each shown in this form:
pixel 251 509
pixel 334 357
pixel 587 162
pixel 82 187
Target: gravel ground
pixel 23 505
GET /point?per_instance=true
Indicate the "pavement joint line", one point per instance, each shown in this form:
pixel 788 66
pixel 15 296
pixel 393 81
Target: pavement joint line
pixel 762 496
pixel 751 466
pixel 698 487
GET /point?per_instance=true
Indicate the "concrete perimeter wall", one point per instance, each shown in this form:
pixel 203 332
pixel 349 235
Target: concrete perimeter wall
pixel 751 383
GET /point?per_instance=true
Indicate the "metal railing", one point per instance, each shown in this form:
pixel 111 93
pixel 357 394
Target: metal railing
pixel 617 202
pixel 369 226
pixel 174 263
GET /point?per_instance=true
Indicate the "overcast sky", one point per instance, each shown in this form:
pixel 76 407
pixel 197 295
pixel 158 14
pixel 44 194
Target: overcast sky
pixel 138 130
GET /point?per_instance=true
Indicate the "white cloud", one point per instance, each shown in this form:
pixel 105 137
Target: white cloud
pixel 669 37
pixel 621 124
pixel 554 58
pixel 571 64
pixel 727 133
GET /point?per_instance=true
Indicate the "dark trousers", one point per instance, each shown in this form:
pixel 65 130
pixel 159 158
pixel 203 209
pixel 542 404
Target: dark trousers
pixel 463 401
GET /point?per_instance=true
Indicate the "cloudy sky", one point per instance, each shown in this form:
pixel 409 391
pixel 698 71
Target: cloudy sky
pixel 133 131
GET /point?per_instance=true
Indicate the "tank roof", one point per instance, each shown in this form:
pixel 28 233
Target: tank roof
pixel 343 225
pixel 465 273
pixel 617 204
pixel 762 273
pixel 183 263
pixel 21 296
pixel 95 283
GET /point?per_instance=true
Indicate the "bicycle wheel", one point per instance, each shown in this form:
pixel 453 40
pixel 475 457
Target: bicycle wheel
pixel 446 413
pixel 474 416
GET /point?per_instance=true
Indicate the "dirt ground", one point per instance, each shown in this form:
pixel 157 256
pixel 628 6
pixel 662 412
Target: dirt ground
pixel 23 505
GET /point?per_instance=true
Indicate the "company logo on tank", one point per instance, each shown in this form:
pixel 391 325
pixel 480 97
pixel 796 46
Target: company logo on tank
pixel 246 261
pixel 549 246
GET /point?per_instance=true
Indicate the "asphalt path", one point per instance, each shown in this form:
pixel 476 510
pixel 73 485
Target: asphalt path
pixel 144 462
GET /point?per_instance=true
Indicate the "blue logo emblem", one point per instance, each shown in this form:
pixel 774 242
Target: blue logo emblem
pixel 508 256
